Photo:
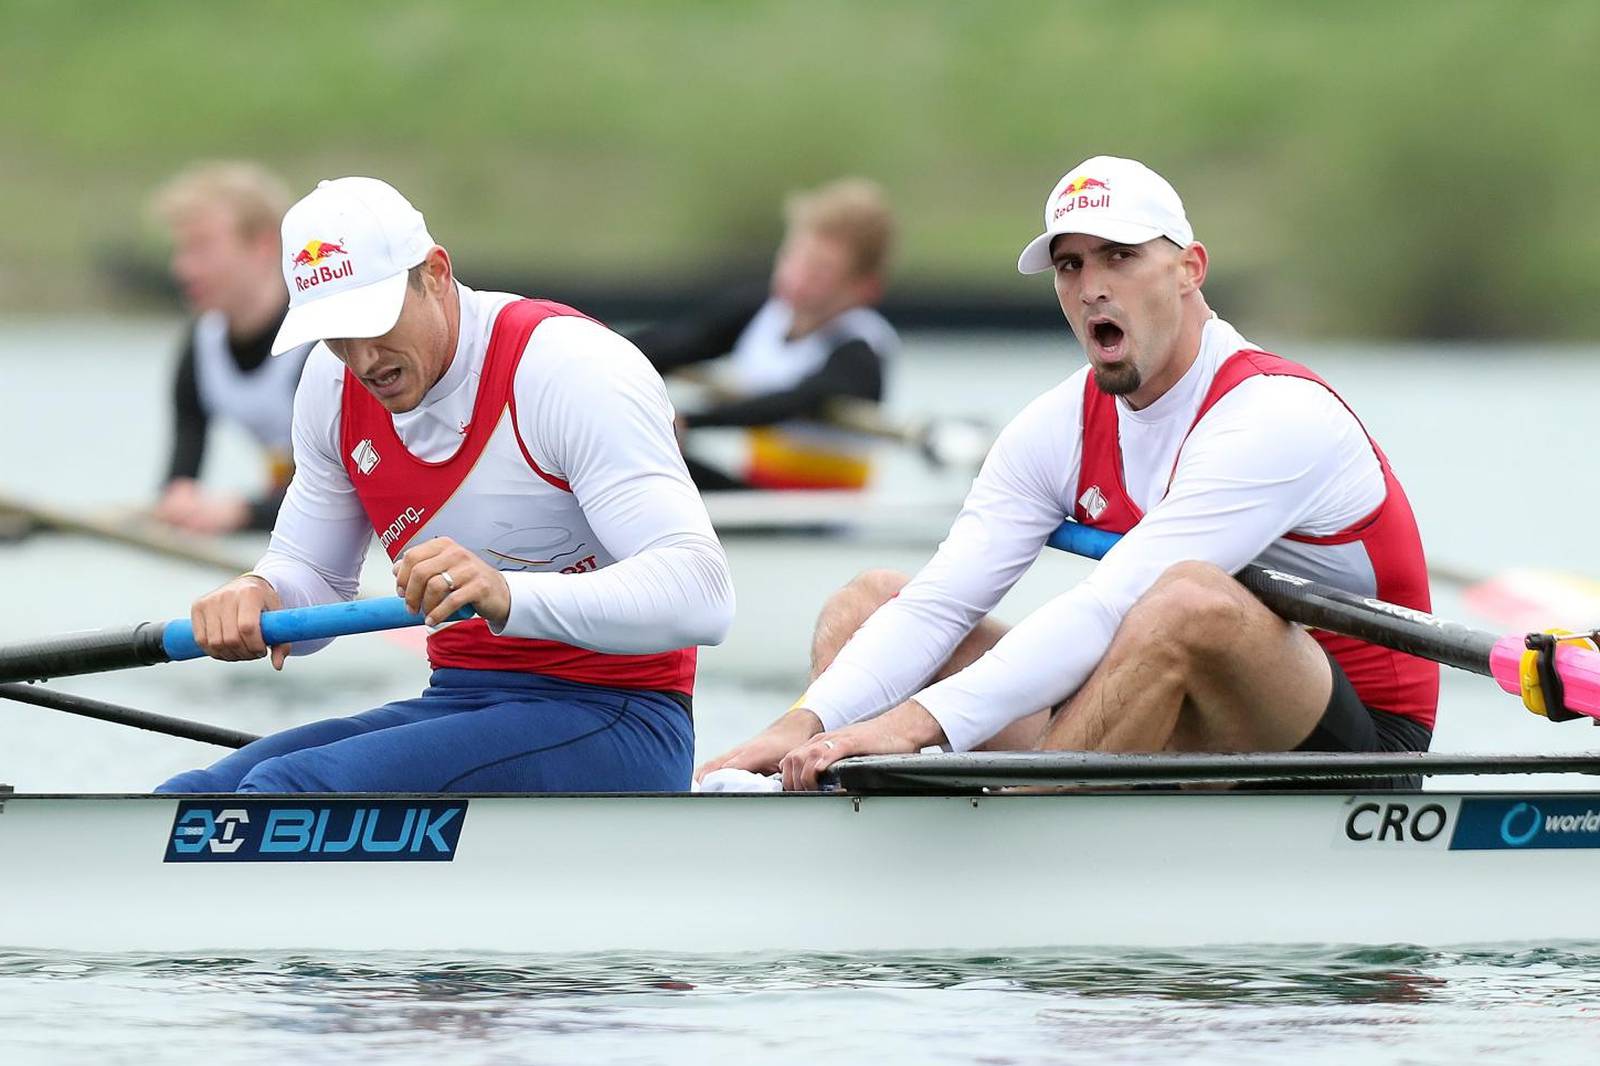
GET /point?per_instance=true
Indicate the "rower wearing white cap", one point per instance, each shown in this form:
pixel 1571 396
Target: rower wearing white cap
pixel 1208 453
pixel 511 455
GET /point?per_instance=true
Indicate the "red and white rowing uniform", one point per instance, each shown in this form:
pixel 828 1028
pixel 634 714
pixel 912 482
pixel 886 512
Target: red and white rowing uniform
pixel 1247 458
pixel 546 448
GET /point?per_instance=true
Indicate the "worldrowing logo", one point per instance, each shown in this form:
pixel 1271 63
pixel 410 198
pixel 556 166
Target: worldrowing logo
pixel 1514 817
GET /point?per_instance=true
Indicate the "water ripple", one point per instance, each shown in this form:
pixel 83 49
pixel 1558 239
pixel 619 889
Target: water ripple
pixel 1395 1004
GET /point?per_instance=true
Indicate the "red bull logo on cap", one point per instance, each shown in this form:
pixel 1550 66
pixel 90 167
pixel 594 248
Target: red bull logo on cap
pixel 313 254
pixel 316 251
pixel 1078 194
pixel 1084 183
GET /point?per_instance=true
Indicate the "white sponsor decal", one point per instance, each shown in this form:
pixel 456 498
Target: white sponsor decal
pixel 1395 820
pixel 365 456
pixel 407 519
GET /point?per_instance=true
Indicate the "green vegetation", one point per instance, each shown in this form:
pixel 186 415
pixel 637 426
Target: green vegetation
pixel 1365 168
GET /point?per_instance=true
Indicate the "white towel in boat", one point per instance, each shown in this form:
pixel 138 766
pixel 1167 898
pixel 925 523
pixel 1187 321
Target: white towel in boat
pixel 730 779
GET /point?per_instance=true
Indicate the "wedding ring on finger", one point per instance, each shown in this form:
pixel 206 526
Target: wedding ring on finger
pixel 830 745
pixel 449 582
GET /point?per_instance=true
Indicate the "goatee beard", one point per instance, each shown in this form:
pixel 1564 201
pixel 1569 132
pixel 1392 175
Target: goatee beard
pixel 1117 380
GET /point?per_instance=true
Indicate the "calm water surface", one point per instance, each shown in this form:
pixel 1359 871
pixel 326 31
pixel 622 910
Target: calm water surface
pixel 84 408
pixel 1308 1005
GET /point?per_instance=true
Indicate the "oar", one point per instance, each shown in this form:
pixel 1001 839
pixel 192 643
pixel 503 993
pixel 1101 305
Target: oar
pixel 159 642
pixel 133 530
pixel 1389 625
pixel 950 441
pixel 973 771
pixel 111 712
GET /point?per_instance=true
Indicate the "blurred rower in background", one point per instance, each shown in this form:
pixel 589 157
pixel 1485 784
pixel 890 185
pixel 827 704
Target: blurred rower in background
pixel 223 219
pixel 812 340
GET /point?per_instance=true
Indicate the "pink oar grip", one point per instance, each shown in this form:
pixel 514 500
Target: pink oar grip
pixel 1579 669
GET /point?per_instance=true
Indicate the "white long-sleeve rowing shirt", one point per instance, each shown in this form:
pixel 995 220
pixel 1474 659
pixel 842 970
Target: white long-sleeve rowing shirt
pixel 581 495
pixel 1275 457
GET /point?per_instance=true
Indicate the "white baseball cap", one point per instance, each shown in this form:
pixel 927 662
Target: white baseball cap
pixel 1115 199
pixel 346 248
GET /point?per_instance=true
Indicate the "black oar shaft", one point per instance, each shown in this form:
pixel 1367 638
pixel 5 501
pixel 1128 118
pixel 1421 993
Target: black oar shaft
pixel 111 712
pixel 978 770
pixel 1388 625
pixel 82 653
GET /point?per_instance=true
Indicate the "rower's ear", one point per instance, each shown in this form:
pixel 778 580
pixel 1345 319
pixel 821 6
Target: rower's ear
pixel 1193 261
pixel 436 272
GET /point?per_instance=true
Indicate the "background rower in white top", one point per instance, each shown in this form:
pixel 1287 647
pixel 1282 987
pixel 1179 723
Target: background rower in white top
pixel 223 220
pixel 901 665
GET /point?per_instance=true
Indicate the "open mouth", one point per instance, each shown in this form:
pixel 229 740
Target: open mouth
pixel 1106 336
pixel 386 380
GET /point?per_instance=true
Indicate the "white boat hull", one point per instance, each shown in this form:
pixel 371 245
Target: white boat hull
pixel 810 873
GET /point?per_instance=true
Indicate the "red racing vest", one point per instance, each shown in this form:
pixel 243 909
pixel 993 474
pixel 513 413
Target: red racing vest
pixel 1384 679
pixel 409 500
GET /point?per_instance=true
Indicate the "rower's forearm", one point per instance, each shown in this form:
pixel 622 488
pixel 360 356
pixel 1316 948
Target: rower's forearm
pixel 900 645
pixel 662 599
pixel 298 583
pixel 1039 662
pixel 912 721
pixel 319 538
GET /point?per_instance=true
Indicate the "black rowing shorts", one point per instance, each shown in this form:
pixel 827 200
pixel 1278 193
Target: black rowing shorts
pixel 1351 726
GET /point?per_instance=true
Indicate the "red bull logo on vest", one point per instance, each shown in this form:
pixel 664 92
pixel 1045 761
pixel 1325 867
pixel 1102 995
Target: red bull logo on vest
pixel 1079 194
pixel 312 256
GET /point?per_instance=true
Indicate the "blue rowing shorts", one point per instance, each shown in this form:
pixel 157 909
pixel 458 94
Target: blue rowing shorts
pixel 474 731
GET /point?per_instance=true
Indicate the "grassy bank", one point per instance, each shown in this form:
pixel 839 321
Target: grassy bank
pixel 1364 169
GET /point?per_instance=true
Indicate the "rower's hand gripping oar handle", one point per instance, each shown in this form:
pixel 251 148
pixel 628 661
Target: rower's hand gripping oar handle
pixel 159 642
pixel 1392 626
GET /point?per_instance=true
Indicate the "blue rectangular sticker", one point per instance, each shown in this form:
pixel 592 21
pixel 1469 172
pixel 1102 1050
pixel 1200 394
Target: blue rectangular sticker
pixel 1528 822
pixel 288 830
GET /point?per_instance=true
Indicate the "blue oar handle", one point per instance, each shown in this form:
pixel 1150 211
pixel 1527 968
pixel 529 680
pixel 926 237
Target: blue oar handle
pixel 309 623
pixel 1083 540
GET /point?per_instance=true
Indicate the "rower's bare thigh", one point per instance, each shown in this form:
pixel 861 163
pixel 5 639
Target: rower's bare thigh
pixel 1253 681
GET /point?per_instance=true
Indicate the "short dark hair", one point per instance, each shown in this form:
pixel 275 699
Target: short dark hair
pixel 414 276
